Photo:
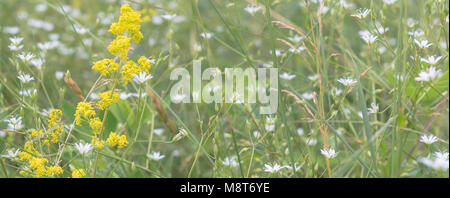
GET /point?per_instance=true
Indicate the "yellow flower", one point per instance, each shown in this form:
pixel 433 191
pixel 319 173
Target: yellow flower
pixel 95 124
pixel 85 110
pixel 120 46
pixel 54 118
pixel 107 98
pixel 78 173
pixel 114 139
pixel 97 142
pixel 35 133
pixel 131 68
pixel 105 66
pixel 144 64
pixel 54 170
pixel 129 22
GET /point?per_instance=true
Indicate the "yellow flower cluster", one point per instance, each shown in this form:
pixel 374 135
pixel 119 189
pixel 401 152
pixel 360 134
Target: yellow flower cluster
pixel 37 166
pixel 78 173
pixel 131 68
pixel 105 66
pixel 35 133
pixel 55 126
pixel 95 124
pixel 129 23
pixel 107 98
pixel 99 144
pixel 84 110
pixel 120 46
pixel 119 140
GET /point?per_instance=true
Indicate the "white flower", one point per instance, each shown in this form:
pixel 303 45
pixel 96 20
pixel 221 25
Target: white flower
pixel 441 155
pixel 307 96
pixel 428 139
pixel 296 38
pixel 310 141
pixel 373 108
pixel 347 81
pixel 11 29
pixel 296 166
pixel 429 74
pixel 158 131
pixel 83 148
pixel 270 124
pixel 272 169
pixel 361 13
pixel 11 153
pixel 335 91
pixel 25 56
pixel 169 17
pixel 37 62
pixel 298 50
pixel 423 43
pixel 15 43
pixel 177 98
pixel 142 77
pixel 252 9
pixel 417 33
pixel 28 92
pixel 329 153
pixel 300 131
pixel 287 76
pixel 25 78
pixel 437 163
pixel 59 75
pixel 155 156
pixel 236 98
pixel 431 60
pixel 389 2
pixel 206 35
pixel 230 161
pixel 313 77
pixel 14 123
pixel 368 37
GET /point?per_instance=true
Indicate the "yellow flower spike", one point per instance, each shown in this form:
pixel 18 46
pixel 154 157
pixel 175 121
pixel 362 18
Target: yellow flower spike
pixel 35 133
pixel 78 173
pixel 120 46
pixel 107 98
pixel 105 67
pixel 128 70
pixel 116 140
pixel 144 64
pixel 85 110
pixel 129 23
pixel 95 124
pixel 54 116
pixel 99 144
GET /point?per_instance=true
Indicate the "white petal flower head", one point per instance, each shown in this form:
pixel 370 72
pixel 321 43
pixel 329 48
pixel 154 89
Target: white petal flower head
pixel 313 77
pixel 310 141
pixel 83 148
pixel 206 35
pixel 300 131
pixel 347 81
pixel 11 153
pixel 230 161
pixel 328 153
pixel 441 155
pixel 270 124
pixel 373 108
pixel 428 139
pixel 287 76
pixel 272 168
pixel 368 37
pixel 169 17
pixel 361 13
pixel 252 9
pixel 423 43
pixel 25 56
pixel 14 123
pixel 37 62
pixel 429 74
pixel 432 60
pixel 307 96
pixel 437 163
pixel 155 156
pixel 142 77
pixel 25 78
pixel 16 40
